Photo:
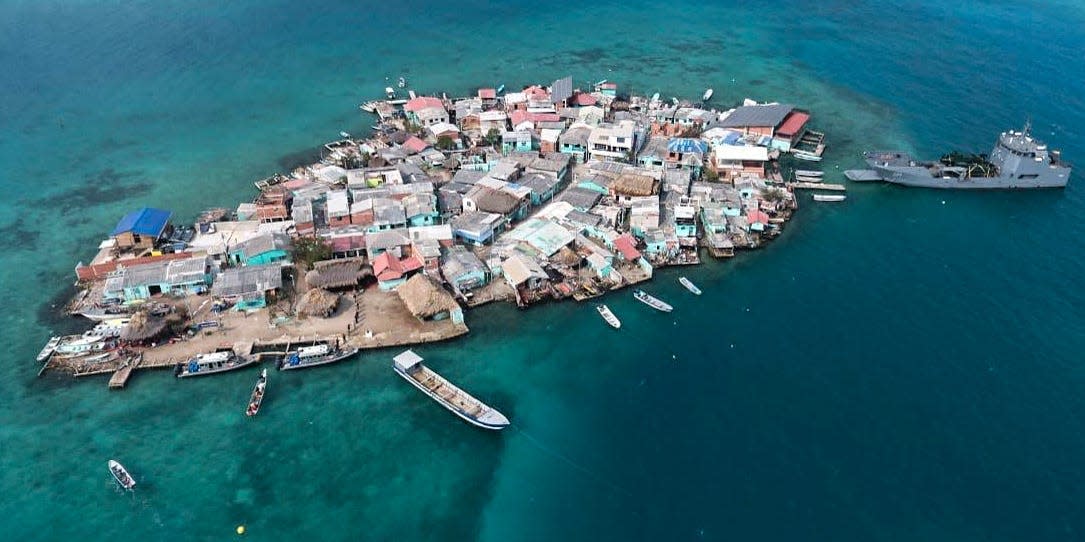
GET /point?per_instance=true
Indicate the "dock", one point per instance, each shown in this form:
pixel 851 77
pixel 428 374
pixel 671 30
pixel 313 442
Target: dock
pixel 120 376
pixel 818 186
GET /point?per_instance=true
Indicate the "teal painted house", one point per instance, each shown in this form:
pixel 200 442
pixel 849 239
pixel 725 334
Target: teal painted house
pixel 420 209
pixel 516 142
pixel 250 287
pixel 175 277
pixel 263 249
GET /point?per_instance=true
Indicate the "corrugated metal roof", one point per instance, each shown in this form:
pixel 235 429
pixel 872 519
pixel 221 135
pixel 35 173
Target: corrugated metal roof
pixel 561 90
pixel 756 115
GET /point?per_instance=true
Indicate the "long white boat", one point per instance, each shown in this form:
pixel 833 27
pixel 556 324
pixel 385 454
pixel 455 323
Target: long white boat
pixel 653 302
pixel 215 362
pixel 120 474
pixel 49 348
pixel 829 197
pixel 808 156
pixel 312 356
pixel 805 179
pixel 78 344
pixel 607 315
pixel 689 285
pixel 809 173
pixel 409 366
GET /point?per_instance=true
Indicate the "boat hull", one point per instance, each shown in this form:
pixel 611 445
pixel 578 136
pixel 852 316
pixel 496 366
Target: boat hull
pixel 121 475
pixel 441 401
pixel 284 363
pixel 182 368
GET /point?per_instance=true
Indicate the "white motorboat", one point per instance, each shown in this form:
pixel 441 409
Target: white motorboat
pixel 707 95
pixel 344 135
pixel 829 197
pixel 689 285
pixel 49 348
pixel 409 366
pixel 809 173
pixel 312 356
pixel 805 179
pixel 806 155
pixel 390 93
pixel 120 474
pixel 609 317
pixel 215 362
pixel 651 301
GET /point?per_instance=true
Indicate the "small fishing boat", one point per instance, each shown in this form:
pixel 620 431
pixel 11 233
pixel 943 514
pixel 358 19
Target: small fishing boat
pixel 257 394
pixel 120 474
pixel 106 313
pixel 805 179
pixel 409 366
pixel 862 175
pixel 344 135
pixel 500 89
pixel 655 98
pixel 806 155
pixel 809 173
pixel 390 93
pixel 829 197
pixel 215 362
pixel 402 82
pixel 651 301
pixel 607 315
pixel 707 95
pixel 689 285
pixel 49 348
pixel 80 345
pixel 311 356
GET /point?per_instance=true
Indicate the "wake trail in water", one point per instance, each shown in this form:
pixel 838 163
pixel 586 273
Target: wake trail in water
pixel 594 476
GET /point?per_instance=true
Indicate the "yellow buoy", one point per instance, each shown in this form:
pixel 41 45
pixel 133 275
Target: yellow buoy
pixel 240 529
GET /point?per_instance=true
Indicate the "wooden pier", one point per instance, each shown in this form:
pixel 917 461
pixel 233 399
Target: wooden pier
pixel 120 376
pixel 818 186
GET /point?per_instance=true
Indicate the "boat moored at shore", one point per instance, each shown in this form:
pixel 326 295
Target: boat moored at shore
pixel 312 356
pixel 49 348
pixel 215 362
pixel 1017 160
pixel 651 301
pixel 409 366
pixel 829 197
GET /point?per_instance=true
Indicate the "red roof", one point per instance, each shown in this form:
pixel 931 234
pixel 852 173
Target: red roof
pixel 627 246
pixel 793 124
pixel 422 102
pixel 545 117
pixel 584 99
pixel 757 215
pixel 415 145
pixel 348 242
pixel 487 93
pixel 519 116
pixel 387 267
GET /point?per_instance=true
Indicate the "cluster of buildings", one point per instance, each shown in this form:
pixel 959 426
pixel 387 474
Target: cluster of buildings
pixel 553 190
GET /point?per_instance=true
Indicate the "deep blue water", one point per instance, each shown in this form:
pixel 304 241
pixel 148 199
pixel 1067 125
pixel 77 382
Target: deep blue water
pixel 903 366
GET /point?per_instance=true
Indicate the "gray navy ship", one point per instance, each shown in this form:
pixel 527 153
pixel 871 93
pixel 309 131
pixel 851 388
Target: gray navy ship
pixel 1017 161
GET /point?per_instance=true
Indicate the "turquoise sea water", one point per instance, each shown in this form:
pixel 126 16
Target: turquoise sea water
pixel 904 366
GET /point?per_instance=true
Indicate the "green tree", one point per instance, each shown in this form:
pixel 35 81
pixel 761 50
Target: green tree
pixel 710 175
pixel 308 250
pixel 773 195
pixel 446 143
pixel 493 136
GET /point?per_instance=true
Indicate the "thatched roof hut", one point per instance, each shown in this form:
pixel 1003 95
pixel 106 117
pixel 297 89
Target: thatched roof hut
pixel 143 327
pixel 566 256
pixel 632 184
pixel 318 302
pixel 337 273
pixel 425 298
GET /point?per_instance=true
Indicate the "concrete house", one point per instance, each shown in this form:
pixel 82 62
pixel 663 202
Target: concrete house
pixel 175 277
pixel 463 270
pixel 248 287
pixel 267 248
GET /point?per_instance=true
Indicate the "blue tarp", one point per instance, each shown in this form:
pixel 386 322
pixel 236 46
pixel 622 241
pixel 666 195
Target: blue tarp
pixel 686 145
pixel 146 221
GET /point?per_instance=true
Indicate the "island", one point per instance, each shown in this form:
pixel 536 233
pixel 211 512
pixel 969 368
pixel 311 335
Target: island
pixel 548 193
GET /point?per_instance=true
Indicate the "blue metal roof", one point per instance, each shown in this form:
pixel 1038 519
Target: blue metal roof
pixel 686 145
pixel 146 221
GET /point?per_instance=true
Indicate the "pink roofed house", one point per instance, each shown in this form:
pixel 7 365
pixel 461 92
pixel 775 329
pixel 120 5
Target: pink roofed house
pixel 414 145
pixel 391 271
pixel 415 105
pixel 628 247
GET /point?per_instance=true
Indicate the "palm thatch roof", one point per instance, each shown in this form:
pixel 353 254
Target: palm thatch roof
pixel 631 184
pixel 318 302
pixel 143 327
pixel 337 273
pixel 425 298
pixel 566 256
